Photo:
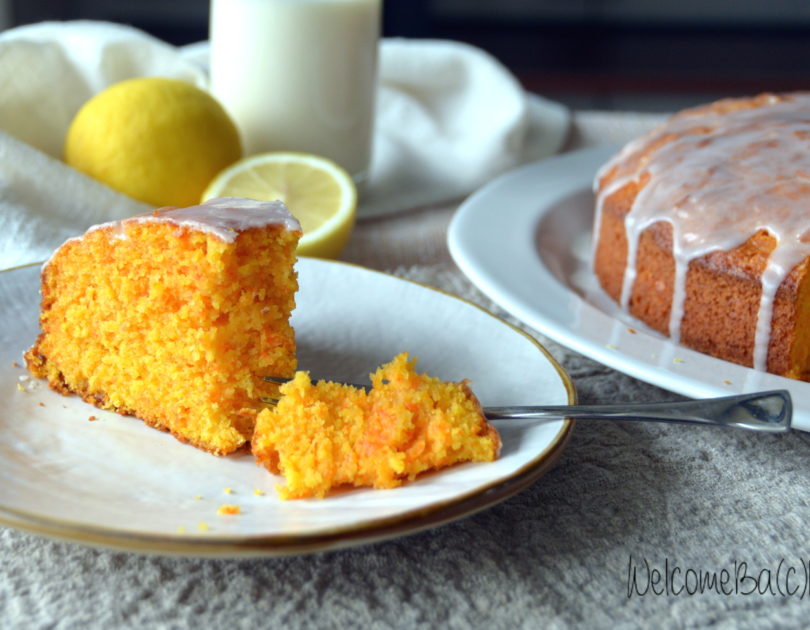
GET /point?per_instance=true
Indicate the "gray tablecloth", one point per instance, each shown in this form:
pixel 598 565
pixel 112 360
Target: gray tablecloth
pixel 638 525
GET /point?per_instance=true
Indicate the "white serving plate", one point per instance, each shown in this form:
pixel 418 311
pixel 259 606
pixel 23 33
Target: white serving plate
pixel 525 241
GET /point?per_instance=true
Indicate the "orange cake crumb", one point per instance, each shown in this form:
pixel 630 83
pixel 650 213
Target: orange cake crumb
pixel 324 435
pixel 174 317
pixel 229 509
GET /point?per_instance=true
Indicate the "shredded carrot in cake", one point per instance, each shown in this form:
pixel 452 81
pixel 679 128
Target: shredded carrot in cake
pixel 171 323
pixel 325 435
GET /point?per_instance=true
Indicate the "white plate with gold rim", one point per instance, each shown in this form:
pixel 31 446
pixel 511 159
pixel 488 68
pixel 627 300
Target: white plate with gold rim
pixel 525 241
pixel 118 483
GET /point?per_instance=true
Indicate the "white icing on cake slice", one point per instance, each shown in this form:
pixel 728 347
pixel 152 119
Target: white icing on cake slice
pixel 224 218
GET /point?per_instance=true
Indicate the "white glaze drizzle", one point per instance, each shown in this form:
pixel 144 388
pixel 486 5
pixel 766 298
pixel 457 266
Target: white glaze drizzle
pixel 224 217
pixel 725 176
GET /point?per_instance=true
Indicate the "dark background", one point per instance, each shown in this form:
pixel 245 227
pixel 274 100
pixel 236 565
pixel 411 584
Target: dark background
pixel 649 55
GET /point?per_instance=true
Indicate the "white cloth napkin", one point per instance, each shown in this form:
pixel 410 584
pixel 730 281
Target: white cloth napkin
pixel 449 118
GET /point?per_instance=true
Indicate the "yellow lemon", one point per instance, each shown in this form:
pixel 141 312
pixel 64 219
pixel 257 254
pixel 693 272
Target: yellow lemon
pixel 157 140
pixel 320 194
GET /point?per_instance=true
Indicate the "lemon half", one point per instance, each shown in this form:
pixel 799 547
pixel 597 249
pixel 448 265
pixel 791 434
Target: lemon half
pixel 318 192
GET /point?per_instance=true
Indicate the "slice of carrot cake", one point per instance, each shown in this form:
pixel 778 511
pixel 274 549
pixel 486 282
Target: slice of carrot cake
pixel 174 317
pixel 324 435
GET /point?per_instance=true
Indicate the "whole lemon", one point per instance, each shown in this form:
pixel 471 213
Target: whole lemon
pixel 157 140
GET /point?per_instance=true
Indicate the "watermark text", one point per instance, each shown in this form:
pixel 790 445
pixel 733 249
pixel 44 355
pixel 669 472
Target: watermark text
pixel 785 578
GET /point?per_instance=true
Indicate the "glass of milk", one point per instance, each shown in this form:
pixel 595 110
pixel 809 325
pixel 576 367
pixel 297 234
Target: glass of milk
pixel 299 75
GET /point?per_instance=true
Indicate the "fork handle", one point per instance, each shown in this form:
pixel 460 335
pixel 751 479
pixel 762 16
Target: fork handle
pixel 769 411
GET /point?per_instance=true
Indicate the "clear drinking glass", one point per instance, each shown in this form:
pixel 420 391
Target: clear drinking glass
pixel 299 75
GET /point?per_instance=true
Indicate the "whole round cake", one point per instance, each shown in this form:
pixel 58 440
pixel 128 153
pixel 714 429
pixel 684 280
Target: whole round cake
pixel 702 230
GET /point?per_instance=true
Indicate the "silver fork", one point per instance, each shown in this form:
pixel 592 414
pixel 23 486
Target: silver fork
pixel 769 412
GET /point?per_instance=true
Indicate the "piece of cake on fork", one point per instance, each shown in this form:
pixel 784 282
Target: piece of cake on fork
pixel 326 435
pixel 174 317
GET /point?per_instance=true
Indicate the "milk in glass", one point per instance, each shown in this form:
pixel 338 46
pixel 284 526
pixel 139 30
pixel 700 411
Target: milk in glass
pixel 299 75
